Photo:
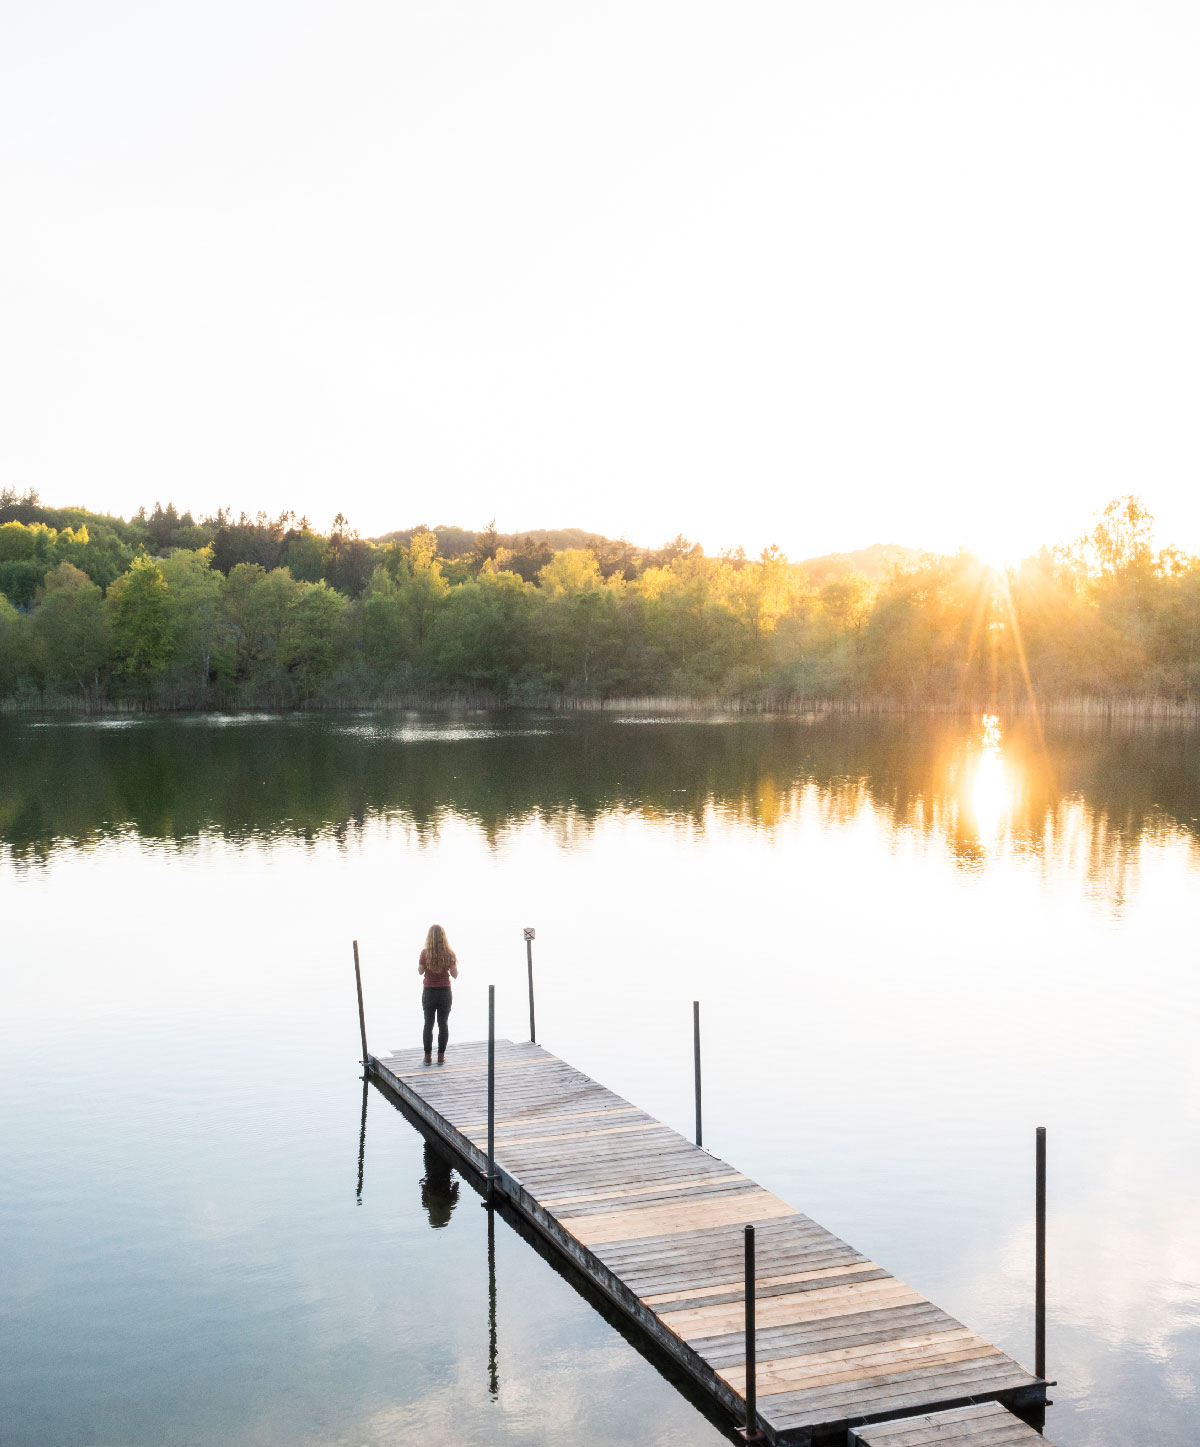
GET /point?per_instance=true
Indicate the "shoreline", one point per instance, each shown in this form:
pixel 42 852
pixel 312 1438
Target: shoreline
pixel 1129 707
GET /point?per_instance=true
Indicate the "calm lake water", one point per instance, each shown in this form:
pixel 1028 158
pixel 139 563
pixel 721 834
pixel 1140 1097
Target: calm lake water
pixel 913 941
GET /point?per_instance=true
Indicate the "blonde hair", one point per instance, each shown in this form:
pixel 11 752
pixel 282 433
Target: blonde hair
pixel 438 954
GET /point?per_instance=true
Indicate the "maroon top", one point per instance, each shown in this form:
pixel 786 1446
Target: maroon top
pixel 435 981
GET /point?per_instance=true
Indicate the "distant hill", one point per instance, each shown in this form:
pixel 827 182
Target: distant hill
pixel 164 530
pixel 454 541
pixel 872 562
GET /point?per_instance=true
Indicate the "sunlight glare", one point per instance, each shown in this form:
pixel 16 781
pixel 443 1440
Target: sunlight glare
pixel 996 554
pixel 991 788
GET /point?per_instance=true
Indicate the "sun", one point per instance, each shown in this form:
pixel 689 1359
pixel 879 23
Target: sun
pixel 995 552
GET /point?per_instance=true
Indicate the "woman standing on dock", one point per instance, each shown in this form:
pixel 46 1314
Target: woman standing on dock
pixel 437 965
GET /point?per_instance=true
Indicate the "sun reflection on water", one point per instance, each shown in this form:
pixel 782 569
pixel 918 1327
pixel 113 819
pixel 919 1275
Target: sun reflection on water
pixel 990 792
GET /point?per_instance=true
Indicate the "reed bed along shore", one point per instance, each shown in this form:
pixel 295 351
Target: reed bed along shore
pixel 1135 707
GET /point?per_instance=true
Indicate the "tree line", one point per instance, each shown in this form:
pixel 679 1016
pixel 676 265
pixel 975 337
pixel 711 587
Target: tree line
pixel 162 611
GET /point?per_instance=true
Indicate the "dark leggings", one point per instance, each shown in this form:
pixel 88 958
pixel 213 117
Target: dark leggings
pixel 436 1000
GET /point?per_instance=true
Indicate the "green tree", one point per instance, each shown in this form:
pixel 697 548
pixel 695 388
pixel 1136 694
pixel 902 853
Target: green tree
pixel 141 624
pixel 72 631
pixel 194 605
pixel 255 606
pixel 483 635
pixel 16 650
pixel 423 592
pixel 386 632
pixel 304 555
pixel 846 601
pixel 309 650
pixel 579 622
pixel 349 559
pixel 690 628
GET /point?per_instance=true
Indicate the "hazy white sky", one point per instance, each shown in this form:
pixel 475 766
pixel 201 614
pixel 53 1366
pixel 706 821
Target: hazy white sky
pixel 815 273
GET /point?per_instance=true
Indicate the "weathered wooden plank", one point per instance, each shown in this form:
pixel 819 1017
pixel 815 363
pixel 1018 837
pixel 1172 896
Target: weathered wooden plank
pixel 545 1114
pixel 662 1189
pixel 832 1407
pixel 689 1270
pixel 789 1233
pixel 465 1050
pixel 703 1321
pixel 859 1330
pixel 545 1127
pixel 670 1276
pixel 439 1072
pixel 737 1287
pixel 601 1151
pixel 549 1180
pixel 595 1136
pixel 987 1424
pixel 666 1220
pixel 656 1197
pixel 683 1301
pixel 680 1253
pixel 552 1178
pixel 861 1364
pixel 621 1192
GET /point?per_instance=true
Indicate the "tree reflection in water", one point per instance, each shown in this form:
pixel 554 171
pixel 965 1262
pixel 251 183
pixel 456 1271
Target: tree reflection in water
pixel 1012 787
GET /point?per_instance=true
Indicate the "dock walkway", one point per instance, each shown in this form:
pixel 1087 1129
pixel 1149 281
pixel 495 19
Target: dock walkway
pixel 656 1223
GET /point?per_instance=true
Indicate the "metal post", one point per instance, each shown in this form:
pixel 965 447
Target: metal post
pixel 491 1175
pixel 750 1432
pixel 1039 1299
pixel 696 1054
pixel 362 1021
pixel 529 937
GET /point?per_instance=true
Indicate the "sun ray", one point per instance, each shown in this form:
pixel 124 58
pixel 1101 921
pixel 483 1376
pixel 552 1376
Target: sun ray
pixel 1023 662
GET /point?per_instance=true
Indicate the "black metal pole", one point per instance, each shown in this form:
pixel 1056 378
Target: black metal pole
pixel 491 1175
pixel 1039 1300
pixel 529 965
pixel 696 1054
pixel 750 1432
pixel 362 1020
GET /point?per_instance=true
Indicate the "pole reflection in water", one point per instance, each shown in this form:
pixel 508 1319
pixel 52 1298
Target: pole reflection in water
pixel 493 1355
pixel 439 1189
pixel 362 1144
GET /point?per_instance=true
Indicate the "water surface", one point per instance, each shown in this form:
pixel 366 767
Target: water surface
pixel 913 941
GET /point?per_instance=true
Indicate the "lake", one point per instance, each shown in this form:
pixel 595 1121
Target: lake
pixel 913 941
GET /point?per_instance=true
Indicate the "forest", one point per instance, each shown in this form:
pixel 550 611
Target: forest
pixel 161 611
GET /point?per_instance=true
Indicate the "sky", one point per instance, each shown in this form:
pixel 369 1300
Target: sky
pixel 820 274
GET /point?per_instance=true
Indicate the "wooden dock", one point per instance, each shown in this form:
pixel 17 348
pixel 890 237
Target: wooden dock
pixel 655 1223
